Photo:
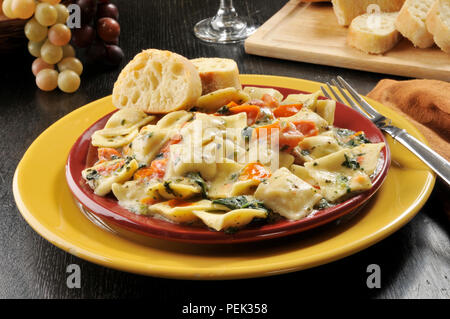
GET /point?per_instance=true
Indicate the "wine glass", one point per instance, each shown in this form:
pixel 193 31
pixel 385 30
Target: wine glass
pixel 225 27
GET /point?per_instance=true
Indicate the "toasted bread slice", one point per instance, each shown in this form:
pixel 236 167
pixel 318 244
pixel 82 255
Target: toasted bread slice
pixel 374 33
pixel 411 22
pixel 217 73
pixel 157 81
pixel 438 24
pixel 347 10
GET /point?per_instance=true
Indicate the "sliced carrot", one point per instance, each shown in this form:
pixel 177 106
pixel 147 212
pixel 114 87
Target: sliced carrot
pixel 174 140
pixel 307 128
pixel 270 101
pixel 251 110
pixel 149 201
pixel 178 203
pixel 359 179
pixel 254 171
pixel 157 169
pixel 287 110
pixel 289 135
pixel 107 153
pixel 232 103
pixel 266 130
pixel 360 159
pixel 107 169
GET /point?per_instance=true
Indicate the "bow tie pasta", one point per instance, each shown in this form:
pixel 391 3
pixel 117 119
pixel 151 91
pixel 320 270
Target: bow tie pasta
pixel 258 158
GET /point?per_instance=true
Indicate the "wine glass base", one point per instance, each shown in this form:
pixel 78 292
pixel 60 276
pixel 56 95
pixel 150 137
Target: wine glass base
pixel 204 31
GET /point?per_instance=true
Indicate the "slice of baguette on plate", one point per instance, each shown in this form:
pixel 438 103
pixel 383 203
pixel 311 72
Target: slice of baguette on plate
pixel 217 73
pixel 373 33
pixel 157 81
pixel 411 22
pixel 438 24
pixel 347 10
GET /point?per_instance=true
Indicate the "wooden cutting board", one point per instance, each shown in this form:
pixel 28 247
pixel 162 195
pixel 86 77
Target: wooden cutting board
pixel 310 33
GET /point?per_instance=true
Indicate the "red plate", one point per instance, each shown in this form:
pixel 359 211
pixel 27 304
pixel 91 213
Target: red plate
pixel 83 154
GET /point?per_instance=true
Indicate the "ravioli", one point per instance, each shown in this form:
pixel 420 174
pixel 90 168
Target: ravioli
pixel 288 195
pixel 314 147
pixel 257 93
pixel 307 100
pixel 237 218
pixel 345 171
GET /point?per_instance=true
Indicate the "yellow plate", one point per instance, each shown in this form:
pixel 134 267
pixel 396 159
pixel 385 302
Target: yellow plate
pixel 45 202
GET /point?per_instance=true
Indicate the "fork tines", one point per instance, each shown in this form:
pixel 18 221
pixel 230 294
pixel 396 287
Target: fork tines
pixel 357 102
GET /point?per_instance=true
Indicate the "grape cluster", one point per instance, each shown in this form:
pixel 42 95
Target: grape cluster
pixel 99 32
pixel 49 39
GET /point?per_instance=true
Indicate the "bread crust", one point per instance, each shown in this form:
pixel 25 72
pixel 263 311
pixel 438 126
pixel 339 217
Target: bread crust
pixel 438 28
pixel 217 73
pixel 347 10
pixel 413 29
pixel 157 81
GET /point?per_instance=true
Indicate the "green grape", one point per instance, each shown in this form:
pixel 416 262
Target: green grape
pixel 50 53
pixel 7 9
pixel 68 51
pixel 68 81
pixel 63 13
pixel 35 31
pixel 46 14
pixel 35 48
pixel 39 64
pixel 59 34
pixel 71 63
pixel 47 79
pixel 23 9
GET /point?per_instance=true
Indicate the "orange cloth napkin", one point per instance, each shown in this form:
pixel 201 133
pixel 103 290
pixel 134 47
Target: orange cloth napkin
pixel 426 103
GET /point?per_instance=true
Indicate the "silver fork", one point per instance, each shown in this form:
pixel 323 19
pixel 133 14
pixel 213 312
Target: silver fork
pixel 436 162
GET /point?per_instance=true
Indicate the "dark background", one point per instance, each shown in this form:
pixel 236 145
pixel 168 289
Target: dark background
pixel 414 261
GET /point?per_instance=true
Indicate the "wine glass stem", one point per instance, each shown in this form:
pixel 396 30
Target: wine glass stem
pixel 226 18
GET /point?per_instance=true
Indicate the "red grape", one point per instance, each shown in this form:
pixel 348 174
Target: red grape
pixel 84 36
pixel 114 54
pixel 107 10
pixel 88 9
pixel 108 29
pixel 96 52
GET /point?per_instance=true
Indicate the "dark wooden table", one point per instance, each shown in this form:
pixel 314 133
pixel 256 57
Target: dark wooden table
pixel 414 261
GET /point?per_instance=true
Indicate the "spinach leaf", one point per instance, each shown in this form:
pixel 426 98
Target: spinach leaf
pixel 350 163
pixel 92 175
pixel 358 140
pixel 323 203
pixel 247 133
pixel 238 202
pixel 224 110
pixel 168 189
pixel 197 178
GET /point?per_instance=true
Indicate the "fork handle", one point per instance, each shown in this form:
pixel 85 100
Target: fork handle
pixel 435 161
